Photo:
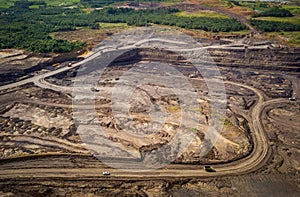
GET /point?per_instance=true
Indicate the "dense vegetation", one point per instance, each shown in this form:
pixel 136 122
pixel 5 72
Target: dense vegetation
pixel 22 27
pixel 165 17
pixel 274 26
pixel 81 3
pixel 276 12
pixel 97 3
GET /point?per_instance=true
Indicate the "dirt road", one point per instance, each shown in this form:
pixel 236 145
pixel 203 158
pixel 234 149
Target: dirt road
pixel 29 168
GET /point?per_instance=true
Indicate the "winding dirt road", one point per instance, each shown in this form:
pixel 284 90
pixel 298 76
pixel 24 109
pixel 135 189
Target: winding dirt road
pixel 29 168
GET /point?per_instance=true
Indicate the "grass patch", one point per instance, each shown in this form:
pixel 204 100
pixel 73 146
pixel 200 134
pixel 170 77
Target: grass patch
pixel 208 14
pixel 34 7
pixel 289 38
pixel 61 2
pixel 6 3
pixel 55 3
pixel 292 8
pixel 293 20
pixel 108 26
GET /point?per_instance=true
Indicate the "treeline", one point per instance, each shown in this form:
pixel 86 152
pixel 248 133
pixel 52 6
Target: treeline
pixel 166 17
pixel 274 26
pixel 97 3
pixel 30 28
pixel 76 18
pixel 26 29
pixel 22 27
pixel 25 4
pixel 34 38
pixel 275 12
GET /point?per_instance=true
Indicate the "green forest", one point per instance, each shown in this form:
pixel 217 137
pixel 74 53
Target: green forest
pixel 276 12
pixel 24 27
pixel 274 26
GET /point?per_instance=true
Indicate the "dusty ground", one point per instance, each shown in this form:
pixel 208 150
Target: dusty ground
pixel 38 122
pixel 46 114
pixel 17 65
pixel 92 37
pixel 287 158
pixel 254 185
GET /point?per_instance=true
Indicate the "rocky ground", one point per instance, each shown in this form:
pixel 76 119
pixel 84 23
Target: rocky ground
pixel 39 121
pixel 46 114
pixel 19 64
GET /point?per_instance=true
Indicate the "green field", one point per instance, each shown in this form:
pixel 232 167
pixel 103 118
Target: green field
pixel 32 24
pixel 108 26
pixel 292 8
pixel 201 14
pixel 8 3
pixel 293 20
pixel 60 2
pixel 64 3
pixel 292 38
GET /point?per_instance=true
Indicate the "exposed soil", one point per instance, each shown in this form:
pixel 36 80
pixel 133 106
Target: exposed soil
pixel 37 130
pixel 18 64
